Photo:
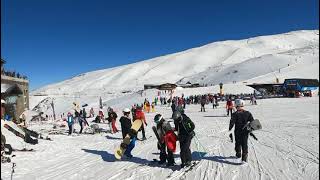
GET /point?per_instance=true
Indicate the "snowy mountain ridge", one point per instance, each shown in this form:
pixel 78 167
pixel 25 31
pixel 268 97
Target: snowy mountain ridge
pixel 289 54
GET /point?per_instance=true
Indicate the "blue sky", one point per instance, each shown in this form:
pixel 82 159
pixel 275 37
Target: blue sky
pixel 53 40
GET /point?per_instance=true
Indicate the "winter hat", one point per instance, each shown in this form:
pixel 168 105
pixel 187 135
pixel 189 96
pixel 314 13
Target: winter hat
pixel 126 110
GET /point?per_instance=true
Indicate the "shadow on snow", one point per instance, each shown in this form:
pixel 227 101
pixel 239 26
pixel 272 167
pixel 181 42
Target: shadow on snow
pixel 196 156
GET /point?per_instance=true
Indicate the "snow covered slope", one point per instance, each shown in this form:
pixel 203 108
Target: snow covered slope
pixel 287 148
pixel 255 60
pixel 296 54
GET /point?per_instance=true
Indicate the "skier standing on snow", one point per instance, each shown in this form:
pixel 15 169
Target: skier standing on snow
pixel 162 127
pixel 140 116
pixel 239 119
pixel 125 122
pixel 185 128
pixel 84 116
pixel 81 121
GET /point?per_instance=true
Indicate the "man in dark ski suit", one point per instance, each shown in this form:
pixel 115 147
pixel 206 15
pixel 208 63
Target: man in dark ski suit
pixel 125 122
pixel 185 127
pixel 240 119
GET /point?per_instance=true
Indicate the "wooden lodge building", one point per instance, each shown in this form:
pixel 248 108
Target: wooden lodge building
pixel 15 92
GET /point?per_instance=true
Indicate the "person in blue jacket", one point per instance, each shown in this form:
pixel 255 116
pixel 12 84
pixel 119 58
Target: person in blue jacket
pixel 70 122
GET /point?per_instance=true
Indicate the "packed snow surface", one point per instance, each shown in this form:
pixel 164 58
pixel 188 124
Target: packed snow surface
pixel 287 148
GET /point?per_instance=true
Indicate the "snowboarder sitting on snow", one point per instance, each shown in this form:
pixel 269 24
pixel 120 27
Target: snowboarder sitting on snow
pixel 125 122
pixel 240 119
pixel 163 127
pixel 185 128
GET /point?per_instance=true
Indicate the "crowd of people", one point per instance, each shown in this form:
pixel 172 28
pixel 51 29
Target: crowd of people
pixel 13 74
pixel 183 130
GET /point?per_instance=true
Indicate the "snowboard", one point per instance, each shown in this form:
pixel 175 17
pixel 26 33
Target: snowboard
pixel 254 125
pixel 18 132
pixel 126 141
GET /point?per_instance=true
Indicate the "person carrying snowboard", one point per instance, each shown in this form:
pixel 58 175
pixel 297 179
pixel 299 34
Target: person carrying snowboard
pixel 185 128
pixel 166 153
pixel 240 119
pixel 140 115
pixel 125 122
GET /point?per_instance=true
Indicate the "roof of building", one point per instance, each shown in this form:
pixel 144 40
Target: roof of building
pixel 10 89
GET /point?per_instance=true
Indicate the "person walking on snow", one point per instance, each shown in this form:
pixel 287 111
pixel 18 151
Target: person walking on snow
pixel 240 119
pixel 125 122
pixel 163 127
pixel 140 116
pixel 229 106
pixel 112 116
pixel 203 103
pixel 185 128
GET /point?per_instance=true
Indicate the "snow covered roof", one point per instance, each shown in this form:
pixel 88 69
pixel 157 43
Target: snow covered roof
pixel 10 89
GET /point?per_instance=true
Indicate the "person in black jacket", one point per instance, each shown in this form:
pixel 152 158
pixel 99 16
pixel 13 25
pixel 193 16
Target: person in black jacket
pixel 185 127
pixel 125 122
pixel 112 116
pixel 240 119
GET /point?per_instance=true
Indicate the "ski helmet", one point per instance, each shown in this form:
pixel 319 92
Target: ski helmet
pixel 126 110
pixel 157 118
pixel 176 115
pixel 239 102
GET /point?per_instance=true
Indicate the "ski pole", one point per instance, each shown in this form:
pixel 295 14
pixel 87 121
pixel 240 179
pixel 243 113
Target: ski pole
pixel 204 148
pixel 13 165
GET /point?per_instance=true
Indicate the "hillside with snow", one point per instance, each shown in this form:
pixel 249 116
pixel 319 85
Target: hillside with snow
pixel 254 60
pixel 293 54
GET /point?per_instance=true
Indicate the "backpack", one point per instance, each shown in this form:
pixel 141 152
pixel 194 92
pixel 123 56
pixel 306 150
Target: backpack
pixel 188 125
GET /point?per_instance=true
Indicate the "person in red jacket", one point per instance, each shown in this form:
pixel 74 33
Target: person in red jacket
pixel 139 115
pixel 229 106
